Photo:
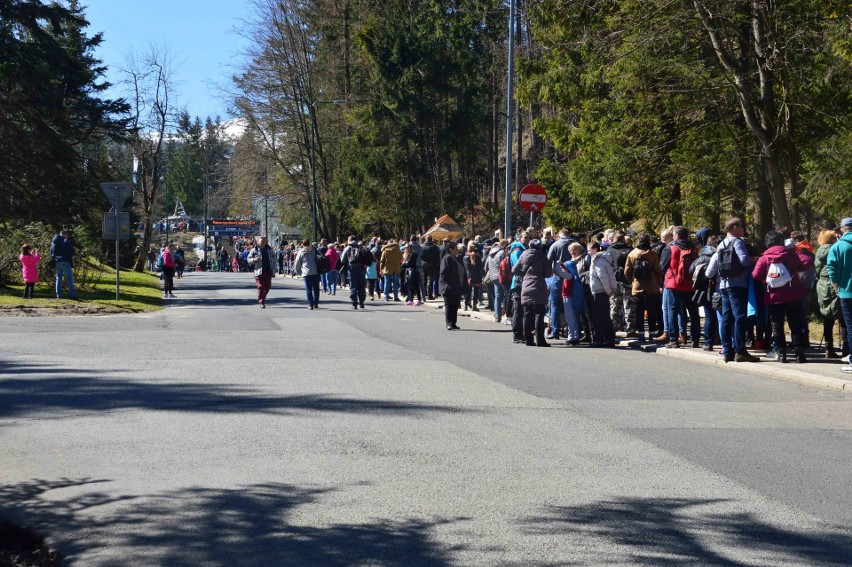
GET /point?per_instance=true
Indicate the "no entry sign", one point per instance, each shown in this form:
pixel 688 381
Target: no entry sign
pixel 533 198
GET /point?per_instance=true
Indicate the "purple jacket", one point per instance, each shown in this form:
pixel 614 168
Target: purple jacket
pixel 795 261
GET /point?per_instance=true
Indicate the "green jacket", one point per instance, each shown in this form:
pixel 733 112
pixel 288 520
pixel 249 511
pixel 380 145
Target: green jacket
pixel 829 305
pixel 839 265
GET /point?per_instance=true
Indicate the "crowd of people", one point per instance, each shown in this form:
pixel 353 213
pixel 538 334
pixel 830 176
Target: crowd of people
pixel 678 289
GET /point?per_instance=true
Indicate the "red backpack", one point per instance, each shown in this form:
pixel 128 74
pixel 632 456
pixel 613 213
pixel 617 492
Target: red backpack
pixel 505 273
pixel 683 270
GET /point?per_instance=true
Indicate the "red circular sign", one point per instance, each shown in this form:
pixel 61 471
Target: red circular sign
pixel 533 198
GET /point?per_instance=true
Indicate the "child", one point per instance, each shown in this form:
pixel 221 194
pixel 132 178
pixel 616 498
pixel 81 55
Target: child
pixel 30 269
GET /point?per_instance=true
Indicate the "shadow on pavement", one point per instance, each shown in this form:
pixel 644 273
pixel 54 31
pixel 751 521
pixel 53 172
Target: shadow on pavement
pixel 685 531
pixel 248 525
pixel 24 396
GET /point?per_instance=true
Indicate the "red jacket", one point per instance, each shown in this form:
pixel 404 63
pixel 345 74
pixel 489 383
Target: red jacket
pixel 678 249
pixel 796 261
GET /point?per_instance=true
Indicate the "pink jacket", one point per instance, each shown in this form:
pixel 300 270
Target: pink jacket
pixel 168 259
pixel 333 257
pixel 30 270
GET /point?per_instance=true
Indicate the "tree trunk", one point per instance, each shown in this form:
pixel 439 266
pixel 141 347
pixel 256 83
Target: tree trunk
pixel 763 202
pixel 677 211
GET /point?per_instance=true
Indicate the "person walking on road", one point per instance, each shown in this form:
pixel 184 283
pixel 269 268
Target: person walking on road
pixel 356 258
pixel 391 265
pixel 839 267
pixel 306 266
pixel 451 281
pixel 262 259
pixel 167 264
pixel 62 255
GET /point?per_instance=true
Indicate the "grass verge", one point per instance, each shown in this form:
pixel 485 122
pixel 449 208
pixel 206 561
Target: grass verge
pixel 139 293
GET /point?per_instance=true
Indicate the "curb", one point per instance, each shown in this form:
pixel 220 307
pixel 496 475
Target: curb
pixel 764 368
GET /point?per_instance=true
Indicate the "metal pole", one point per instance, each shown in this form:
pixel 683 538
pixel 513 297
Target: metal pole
pixel 266 217
pixel 117 268
pixel 509 119
pixel 206 208
pixel 314 170
pixel 531 217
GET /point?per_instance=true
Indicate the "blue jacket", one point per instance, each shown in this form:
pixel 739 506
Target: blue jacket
pixel 839 265
pixel 516 248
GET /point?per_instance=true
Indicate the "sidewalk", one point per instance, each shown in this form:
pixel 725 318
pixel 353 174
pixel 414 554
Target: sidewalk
pixel 818 372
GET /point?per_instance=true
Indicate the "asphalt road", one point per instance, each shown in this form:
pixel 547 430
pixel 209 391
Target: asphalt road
pixel 217 433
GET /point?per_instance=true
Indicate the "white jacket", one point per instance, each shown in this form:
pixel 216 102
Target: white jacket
pixel 601 275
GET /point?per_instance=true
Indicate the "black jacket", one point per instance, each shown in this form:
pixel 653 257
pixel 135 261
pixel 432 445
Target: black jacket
pixel 431 254
pixel 452 276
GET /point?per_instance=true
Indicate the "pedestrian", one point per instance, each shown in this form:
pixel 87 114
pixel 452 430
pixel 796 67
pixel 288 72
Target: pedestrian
pixel 431 256
pixel 492 274
pixel 642 270
pixel 601 286
pixel 778 270
pixel 180 262
pixel 306 267
pixel 262 260
pixel 533 268
pixel 167 265
pixel 152 258
pixel 573 294
pixel 29 267
pixel 827 299
pixel 732 264
pixel 473 272
pixel 333 260
pixel 839 267
pixel 412 276
pixel 514 251
pixel 391 265
pixel 451 281
pixel 663 251
pixel 622 304
pixel 62 256
pixel 355 259
pixel 677 279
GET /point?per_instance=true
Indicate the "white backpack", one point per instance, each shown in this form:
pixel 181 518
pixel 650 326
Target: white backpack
pixel 778 275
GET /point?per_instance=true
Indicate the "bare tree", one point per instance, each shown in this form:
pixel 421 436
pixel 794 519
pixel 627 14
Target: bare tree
pixel 149 81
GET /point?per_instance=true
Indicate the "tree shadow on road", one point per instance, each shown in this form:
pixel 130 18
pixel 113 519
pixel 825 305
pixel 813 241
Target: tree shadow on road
pixel 247 525
pixel 686 531
pixel 42 392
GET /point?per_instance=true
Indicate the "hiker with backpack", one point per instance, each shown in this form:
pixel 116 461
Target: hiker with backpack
pixel 778 270
pixel 704 286
pixel 676 270
pixel 732 265
pixel 642 269
pixel 356 258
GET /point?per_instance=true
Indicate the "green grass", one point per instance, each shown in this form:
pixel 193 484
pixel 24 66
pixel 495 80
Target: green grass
pixel 139 293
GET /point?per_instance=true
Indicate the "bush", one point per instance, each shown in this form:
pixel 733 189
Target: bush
pixel 38 236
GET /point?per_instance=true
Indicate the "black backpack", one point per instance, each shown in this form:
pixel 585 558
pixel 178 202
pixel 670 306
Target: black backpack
pixel 323 264
pixel 641 269
pixel 729 263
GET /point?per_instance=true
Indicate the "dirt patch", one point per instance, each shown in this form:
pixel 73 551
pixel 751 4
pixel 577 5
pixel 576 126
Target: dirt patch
pixel 60 310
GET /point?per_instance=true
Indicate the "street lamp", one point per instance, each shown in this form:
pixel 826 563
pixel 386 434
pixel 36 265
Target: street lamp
pixel 338 102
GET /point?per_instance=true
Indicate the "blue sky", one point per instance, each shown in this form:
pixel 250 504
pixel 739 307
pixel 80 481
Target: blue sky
pixel 201 35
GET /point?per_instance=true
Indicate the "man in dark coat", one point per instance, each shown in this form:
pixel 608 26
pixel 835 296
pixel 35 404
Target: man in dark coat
pixel 431 256
pixel 451 281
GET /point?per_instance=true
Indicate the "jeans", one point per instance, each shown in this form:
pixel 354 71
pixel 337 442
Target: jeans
pixel 517 314
pixel 680 300
pixel 391 280
pixel 499 298
pixel 796 319
pixel 711 325
pixel 846 309
pixel 357 285
pixel 63 269
pixel 572 321
pixel 555 294
pixel 734 319
pixel 332 281
pixel 324 281
pixel 312 289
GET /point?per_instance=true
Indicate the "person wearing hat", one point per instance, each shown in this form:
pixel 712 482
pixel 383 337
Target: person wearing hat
pixel 62 256
pixel 839 267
